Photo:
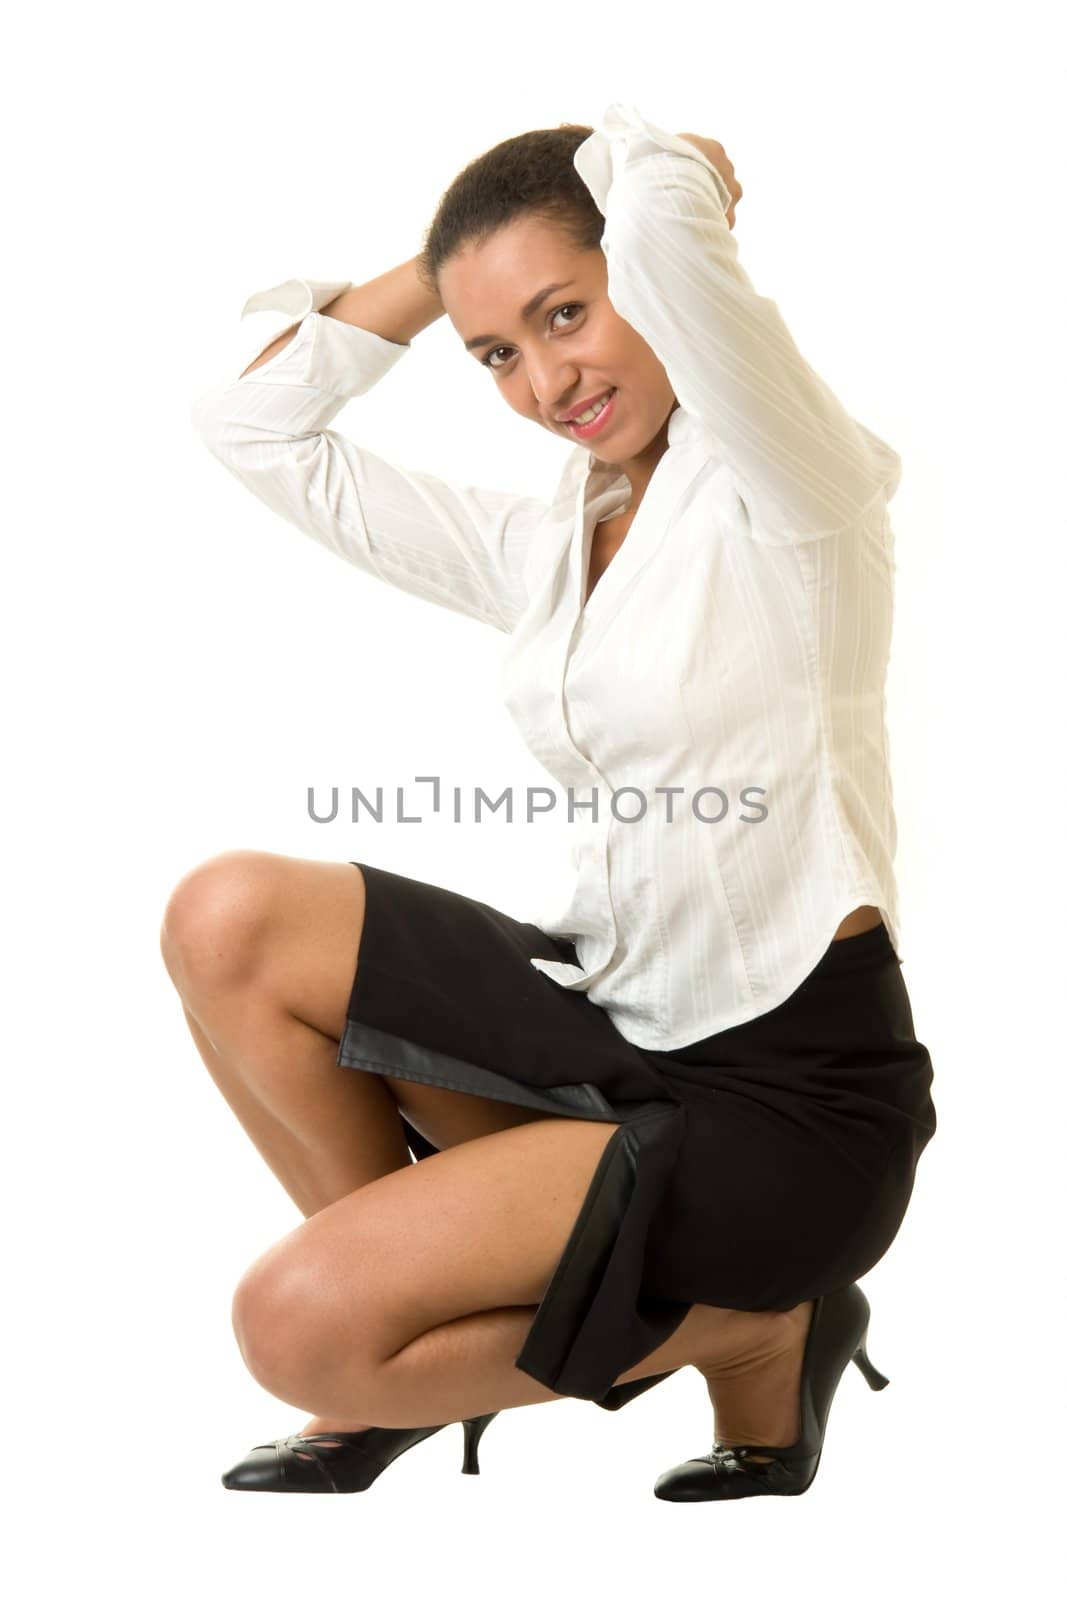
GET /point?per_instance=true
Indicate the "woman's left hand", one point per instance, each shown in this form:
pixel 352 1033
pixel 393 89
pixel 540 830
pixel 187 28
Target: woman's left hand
pixel 720 160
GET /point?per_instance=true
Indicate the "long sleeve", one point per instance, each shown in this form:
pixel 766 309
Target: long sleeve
pixel 803 466
pixel 454 545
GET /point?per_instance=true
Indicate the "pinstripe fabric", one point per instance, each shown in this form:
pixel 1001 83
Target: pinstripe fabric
pixel 715 712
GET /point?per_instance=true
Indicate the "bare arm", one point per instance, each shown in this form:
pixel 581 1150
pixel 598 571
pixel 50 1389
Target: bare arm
pixel 396 306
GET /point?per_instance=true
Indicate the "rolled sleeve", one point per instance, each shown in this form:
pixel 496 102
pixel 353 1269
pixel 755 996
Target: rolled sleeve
pixel 453 545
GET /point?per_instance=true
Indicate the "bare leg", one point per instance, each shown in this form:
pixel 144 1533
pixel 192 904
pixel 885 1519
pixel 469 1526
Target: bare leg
pixel 347 1131
pixel 262 950
pixel 756 1395
pixel 750 1360
pixel 408 1302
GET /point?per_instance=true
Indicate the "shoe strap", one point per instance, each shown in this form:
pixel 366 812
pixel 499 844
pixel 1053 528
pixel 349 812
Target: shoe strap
pixel 741 1452
pixel 299 1464
pixel 339 1438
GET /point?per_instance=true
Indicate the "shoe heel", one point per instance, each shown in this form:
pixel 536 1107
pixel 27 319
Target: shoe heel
pixel 876 1379
pixel 473 1428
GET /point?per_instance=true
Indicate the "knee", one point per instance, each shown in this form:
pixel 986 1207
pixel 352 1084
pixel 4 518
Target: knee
pixel 215 918
pixel 274 1322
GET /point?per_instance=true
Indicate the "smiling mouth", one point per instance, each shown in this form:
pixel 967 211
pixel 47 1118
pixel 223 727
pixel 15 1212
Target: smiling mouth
pixel 598 399
pixel 600 419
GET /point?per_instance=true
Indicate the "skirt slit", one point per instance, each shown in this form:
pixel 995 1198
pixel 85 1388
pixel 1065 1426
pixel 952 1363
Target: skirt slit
pixel 758 1168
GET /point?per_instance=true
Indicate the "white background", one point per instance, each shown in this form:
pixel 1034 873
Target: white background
pixel 181 664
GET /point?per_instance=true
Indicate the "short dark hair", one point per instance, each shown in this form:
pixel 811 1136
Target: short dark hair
pixel 531 174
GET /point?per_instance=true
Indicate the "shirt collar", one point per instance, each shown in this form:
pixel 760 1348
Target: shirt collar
pixel 601 476
pixel 683 427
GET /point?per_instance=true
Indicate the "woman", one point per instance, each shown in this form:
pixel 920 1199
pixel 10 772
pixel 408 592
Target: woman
pixel 672 1122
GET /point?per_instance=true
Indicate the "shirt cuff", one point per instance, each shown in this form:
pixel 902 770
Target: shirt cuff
pixel 624 135
pixel 296 296
pixel 325 353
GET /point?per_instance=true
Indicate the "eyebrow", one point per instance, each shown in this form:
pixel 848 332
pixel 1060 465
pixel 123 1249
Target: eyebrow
pixel 527 312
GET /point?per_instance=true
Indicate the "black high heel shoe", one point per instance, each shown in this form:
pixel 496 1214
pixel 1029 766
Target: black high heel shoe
pixel 340 1463
pixel 836 1336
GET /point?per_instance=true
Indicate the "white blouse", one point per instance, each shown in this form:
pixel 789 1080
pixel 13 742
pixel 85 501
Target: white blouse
pixel 715 712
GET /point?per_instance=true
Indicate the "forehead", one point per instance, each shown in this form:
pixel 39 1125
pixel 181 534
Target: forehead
pixel 502 272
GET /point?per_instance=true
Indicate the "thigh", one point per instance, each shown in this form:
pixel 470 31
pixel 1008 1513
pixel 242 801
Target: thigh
pixel 321 909
pixel 477 1227
pixel 292 927
pixel 448 1117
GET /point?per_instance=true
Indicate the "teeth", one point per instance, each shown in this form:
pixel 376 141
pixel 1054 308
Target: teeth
pixel 594 410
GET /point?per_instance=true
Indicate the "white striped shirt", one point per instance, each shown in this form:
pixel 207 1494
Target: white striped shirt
pixel 736 643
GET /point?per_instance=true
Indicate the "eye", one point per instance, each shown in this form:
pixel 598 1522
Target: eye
pixel 487 360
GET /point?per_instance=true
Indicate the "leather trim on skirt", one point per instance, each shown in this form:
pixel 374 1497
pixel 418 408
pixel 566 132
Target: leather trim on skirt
pixel 755 1169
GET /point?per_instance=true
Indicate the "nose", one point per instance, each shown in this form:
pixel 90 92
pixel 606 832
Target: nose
pixel 555 385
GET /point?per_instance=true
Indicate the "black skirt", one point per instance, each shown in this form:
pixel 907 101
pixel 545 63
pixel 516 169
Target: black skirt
pixel 764 1166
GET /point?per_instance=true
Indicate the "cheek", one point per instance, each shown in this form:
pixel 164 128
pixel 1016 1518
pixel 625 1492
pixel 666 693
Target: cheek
pixel 653 373
pixel 637 370
pixel 520 399
pixel 639 355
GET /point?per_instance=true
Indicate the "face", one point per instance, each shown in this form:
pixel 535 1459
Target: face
pixel 572 348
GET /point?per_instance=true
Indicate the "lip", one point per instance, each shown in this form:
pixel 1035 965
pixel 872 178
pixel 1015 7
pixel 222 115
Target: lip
pixel 602 418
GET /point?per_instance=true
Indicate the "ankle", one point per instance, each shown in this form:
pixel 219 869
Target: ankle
pixel 756 1397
